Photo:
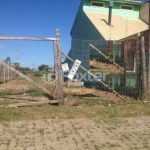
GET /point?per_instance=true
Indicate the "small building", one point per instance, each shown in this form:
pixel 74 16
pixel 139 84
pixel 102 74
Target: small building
pixel 111 29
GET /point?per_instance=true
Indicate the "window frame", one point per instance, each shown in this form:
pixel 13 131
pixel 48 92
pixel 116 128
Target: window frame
pixel 99 3
pixel 126 6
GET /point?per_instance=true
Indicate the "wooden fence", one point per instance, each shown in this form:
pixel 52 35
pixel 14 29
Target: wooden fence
pixel 6 74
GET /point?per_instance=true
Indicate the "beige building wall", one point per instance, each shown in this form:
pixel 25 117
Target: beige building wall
pixel 144 12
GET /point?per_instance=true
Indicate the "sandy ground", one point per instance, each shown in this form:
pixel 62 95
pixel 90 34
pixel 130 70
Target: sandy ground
pixel 76 134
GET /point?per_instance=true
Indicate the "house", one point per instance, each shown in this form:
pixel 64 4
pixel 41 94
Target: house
pixel 110 26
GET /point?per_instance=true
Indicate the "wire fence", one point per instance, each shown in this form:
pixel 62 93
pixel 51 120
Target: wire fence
pixel 28 66
pixel 108 66
pixel 6 74
pixel 118 64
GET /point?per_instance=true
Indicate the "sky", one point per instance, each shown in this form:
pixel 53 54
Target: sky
pixel 35 18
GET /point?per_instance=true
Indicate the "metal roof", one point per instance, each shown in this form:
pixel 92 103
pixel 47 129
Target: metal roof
pixel 120 27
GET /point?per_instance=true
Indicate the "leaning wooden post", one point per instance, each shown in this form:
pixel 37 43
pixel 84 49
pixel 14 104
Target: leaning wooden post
pixel 144 74
pixel 58 68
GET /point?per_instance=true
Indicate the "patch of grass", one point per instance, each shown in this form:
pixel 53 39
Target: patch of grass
pixel 87 110
pixel 98 147
pixel 41 131
pixel 4 93
pixel 92 102
pixel 35 93
pixel 8 114
pixel 37 73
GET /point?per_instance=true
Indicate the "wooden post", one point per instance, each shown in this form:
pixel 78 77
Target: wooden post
pixel 144 74
pixel 125 59
pixel 137 61
pixel 58 68
pixel 149 51
pixel 55 68
pixel 8 73
pixel 4 73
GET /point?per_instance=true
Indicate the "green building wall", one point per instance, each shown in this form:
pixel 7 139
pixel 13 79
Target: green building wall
pixel 116 8
pixel 83 33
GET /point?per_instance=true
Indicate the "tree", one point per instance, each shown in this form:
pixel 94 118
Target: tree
pixel 16 65
pixel 43 66
pixel 8 61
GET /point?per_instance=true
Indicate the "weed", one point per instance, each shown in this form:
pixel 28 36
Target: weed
pixel 41 131
pixel 97 147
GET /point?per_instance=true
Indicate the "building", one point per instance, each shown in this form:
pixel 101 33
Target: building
pixel 110 27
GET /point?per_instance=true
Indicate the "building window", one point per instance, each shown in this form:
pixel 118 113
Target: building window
pixel 127 7
pixel 97 4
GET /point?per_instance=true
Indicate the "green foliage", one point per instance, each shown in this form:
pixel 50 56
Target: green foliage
pixel 35 93
pixel 37 74
pixel 25 70
pixel 43 66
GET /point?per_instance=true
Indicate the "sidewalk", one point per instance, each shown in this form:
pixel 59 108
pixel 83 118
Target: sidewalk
pixel 76 134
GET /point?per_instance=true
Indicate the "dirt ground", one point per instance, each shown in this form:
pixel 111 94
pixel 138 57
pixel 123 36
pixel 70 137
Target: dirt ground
pixel 76 134
pixel 97 66
pixel 22 93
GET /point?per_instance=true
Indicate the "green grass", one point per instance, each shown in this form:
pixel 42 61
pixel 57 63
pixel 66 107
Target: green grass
pixel 70 112
pixel 35 93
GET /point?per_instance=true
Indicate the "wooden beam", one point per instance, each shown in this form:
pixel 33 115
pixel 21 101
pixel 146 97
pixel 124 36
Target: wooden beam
pixel 118 66
pixel 95 77
pixel 26 38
